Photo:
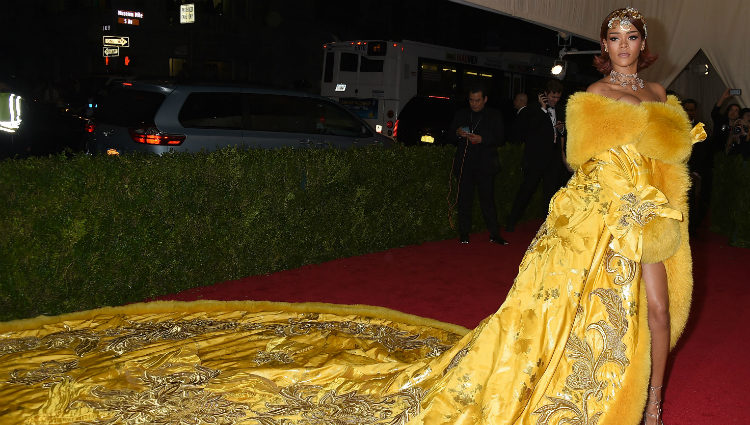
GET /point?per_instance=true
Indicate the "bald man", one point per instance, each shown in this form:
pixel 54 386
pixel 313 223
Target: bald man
pixel 520 100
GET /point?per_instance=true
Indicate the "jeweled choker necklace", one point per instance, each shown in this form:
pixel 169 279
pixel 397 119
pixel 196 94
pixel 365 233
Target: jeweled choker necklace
pixel 626 80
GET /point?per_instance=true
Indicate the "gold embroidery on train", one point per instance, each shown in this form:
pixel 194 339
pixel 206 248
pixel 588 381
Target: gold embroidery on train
pixel 52 370
pixel 625 269
pixel 547 294
pixel 583 383
pixel 465 392
pixel 391 338
pixel 175 398
pixel 83 341
pixel 316 406
pixel 456 359
pixel 265 357
pixel 135 335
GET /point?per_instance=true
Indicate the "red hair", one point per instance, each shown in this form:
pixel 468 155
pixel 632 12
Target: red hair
pixel 602 62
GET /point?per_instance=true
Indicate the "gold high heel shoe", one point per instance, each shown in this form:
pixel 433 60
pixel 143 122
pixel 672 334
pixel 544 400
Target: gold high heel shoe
pixel 656 401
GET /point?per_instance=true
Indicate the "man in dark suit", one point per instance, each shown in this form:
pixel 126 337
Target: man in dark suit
pixel 479 131
pixel 542 130
pixel 520 101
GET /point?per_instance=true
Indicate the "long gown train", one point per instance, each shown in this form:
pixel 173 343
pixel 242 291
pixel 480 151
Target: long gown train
pixel 570 344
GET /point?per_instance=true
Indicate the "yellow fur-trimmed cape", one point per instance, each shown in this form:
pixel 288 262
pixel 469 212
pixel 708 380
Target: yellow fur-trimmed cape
pixel 661 131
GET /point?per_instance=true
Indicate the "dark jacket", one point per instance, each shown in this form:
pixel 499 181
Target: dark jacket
pixel 537 133
pixel 481 157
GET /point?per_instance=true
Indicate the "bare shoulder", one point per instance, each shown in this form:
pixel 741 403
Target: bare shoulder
pixel 598 87
pixel 658 90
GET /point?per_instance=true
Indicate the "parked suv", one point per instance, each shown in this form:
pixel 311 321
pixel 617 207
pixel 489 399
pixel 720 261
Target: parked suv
pixel 424 120
pixel 161 117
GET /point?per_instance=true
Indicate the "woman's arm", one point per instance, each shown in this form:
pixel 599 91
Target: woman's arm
pixel 724 96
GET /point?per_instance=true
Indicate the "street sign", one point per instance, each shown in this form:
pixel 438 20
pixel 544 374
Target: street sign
pixel 114 40
pixel 109 52
pixel 129 21
pixel 130 14
pixel 129 17
pixel 187 13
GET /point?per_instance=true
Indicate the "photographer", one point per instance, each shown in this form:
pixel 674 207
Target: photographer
pixel 479 131
pixel 721 121
pixel 738 141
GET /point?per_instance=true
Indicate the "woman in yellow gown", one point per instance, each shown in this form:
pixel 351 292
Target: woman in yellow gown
pixel 570 344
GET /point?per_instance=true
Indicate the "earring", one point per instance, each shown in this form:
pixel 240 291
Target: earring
pixel 643 47
pixel 606 49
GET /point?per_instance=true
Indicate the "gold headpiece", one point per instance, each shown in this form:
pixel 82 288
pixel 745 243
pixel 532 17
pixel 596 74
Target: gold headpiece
pixel 624 16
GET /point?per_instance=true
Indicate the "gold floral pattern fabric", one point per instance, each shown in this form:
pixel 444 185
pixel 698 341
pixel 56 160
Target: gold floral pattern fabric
pixel 566 347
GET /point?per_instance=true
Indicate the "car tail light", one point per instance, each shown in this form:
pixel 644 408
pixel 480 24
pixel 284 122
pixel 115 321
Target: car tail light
pixel 151 135
pixel 389 113
pixel 389 124
pixel 395 129
pixel 90 126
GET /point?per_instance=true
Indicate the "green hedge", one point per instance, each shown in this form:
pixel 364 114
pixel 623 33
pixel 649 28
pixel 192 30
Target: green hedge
pixel 730 200
pixel 83 232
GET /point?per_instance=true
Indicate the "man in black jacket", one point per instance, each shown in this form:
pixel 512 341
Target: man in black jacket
pixel 542 130
pixel 479 131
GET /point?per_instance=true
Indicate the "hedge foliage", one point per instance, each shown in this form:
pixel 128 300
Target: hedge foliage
pixel 730 200
pixel 82 232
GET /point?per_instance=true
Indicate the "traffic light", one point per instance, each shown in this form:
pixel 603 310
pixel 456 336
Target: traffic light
pixel 126 60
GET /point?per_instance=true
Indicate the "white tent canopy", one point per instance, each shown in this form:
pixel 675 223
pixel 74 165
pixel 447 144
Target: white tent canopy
pixel 677 30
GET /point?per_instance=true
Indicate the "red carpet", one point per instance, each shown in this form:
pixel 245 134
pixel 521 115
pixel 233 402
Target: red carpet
pixel 462 284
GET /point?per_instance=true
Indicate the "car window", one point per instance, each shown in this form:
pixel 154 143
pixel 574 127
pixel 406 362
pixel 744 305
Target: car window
pixel 212 110
pixel 268 112
pixel 128 107
pixel 297 114
pixel 335 120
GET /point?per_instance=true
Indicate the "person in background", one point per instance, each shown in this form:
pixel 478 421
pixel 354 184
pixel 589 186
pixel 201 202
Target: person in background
pixel 700 166
pixel 738 141
pixel 520 100
pixel 720 131
pixel 691 109
pixel 540 128
pixel 479 131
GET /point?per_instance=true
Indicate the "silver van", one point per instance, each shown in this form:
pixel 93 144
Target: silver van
pixel 161 117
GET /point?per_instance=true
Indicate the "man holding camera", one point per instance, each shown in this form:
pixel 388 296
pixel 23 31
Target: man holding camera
pixel 479 131
pixel 542 130
pixel 738 141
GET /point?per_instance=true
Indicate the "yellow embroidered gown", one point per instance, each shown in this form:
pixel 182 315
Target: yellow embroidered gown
pixel 569 345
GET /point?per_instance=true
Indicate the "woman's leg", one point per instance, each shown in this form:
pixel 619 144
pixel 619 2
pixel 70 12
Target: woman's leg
pixel 657 295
